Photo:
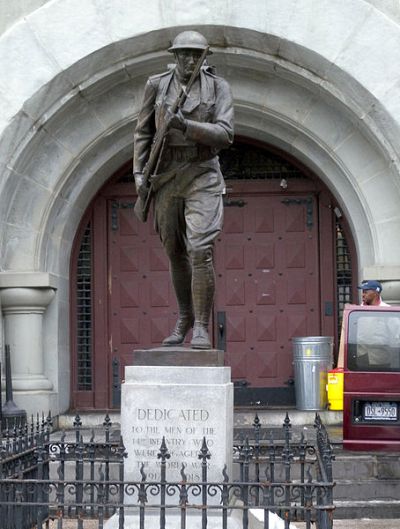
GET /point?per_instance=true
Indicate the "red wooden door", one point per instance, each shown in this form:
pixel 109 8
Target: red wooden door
pixel 275 280
pixel 268 283
pixel 141 299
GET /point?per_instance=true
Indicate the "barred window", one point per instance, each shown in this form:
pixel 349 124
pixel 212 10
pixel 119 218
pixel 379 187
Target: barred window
pixel 84 312
pixel 243 162
pixel 344 275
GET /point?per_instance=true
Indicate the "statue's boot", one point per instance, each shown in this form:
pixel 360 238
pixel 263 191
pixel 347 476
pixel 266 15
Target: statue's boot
pixel 200 339
pixel 203 286
pixel 182 327
pixel 181 276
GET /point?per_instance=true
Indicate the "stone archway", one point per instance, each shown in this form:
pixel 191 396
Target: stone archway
pixel 276 271
pixel 69 125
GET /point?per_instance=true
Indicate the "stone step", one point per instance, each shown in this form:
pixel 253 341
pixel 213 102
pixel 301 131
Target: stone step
pixel 366 465
pixel 367 490
pixel 353 510
pixel 89 420
pixel 244 417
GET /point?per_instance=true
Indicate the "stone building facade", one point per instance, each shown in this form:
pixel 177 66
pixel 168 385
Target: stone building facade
pixel 315 79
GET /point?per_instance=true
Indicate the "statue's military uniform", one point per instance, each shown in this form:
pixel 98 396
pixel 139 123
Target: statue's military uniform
pixel 188 186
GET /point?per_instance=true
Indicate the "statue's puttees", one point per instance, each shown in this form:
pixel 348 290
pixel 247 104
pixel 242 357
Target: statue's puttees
pixel 185 120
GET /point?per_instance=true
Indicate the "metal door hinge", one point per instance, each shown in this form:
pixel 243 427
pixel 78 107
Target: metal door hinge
pixel 116 383
pixel 308 202
pixel 221 331
pixel 234 203
pixel 115 206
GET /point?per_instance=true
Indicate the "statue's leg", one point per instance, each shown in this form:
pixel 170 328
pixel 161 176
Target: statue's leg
pixel 181 275
pixel 203 287
pixel 204 216
pixel 169 223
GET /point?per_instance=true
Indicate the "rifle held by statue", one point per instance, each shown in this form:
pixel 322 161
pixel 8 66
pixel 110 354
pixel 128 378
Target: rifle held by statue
pixel 142 205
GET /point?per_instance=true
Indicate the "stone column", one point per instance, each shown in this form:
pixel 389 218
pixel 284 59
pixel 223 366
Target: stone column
pixel 23 310
pixel 1 340
pixel 391 292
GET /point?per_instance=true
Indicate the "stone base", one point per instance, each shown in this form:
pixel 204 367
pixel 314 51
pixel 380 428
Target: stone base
pixel 193 520
pixel 173 521
pixel 31 383
pixel 34 402
pixel 178 356
pixel 181 404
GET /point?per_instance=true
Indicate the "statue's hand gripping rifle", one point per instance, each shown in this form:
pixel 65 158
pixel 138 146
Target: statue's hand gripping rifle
pixel 142 204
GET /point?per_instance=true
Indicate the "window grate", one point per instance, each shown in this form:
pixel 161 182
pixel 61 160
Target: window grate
pixel 84 312
pixel 344 276
pixel 244 162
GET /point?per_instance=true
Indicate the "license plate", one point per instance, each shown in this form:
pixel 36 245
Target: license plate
pixel 380 411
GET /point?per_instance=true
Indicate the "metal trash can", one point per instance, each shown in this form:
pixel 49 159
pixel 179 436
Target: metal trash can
pixel 312 359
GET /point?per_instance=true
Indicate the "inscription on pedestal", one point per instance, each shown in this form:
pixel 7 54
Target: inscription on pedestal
pixel 183 405
pixel 183 431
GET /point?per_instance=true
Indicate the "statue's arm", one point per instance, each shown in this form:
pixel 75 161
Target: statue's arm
pixel 219 132
pixel 145 128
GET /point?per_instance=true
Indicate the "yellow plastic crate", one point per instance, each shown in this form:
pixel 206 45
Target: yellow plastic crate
pixel 334 388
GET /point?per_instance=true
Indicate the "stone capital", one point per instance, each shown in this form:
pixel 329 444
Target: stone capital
pixel 22 300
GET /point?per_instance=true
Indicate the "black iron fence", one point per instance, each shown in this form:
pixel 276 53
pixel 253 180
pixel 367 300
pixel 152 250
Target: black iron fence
pixel 23 459
pixel 69 478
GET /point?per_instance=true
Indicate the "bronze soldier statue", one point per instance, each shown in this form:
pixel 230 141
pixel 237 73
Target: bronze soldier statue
pixel 186 185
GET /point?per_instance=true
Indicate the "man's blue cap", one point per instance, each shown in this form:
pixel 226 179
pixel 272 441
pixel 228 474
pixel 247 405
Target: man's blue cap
pixel 371 285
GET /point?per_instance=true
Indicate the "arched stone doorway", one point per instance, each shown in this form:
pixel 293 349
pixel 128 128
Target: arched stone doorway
pixel 277 277
pixel 69 114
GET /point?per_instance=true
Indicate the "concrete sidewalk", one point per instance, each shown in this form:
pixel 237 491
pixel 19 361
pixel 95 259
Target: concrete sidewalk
pixel 337 524
pixel 364 523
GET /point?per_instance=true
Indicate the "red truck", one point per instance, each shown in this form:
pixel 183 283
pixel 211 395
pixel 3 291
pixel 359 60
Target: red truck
pixel 370 355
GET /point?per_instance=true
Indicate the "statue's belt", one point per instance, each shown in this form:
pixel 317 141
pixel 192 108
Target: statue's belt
pixel 174 153
pixel 182 155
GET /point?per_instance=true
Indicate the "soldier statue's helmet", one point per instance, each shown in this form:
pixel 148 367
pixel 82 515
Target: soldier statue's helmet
pixel 189 40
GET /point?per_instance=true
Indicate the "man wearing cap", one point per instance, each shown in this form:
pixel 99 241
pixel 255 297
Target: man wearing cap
pixel 188 208
pixel 378 336
pixel 371 293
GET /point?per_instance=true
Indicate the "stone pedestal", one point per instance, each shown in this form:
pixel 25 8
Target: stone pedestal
pixel 23 310
pixel 181 403
pixel 178 356
pixel 182 395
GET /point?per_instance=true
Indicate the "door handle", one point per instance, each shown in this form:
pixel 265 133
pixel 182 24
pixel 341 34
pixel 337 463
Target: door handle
pixel 221 331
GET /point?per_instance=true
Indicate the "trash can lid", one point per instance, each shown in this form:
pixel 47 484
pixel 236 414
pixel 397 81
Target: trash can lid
pixel 312 339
